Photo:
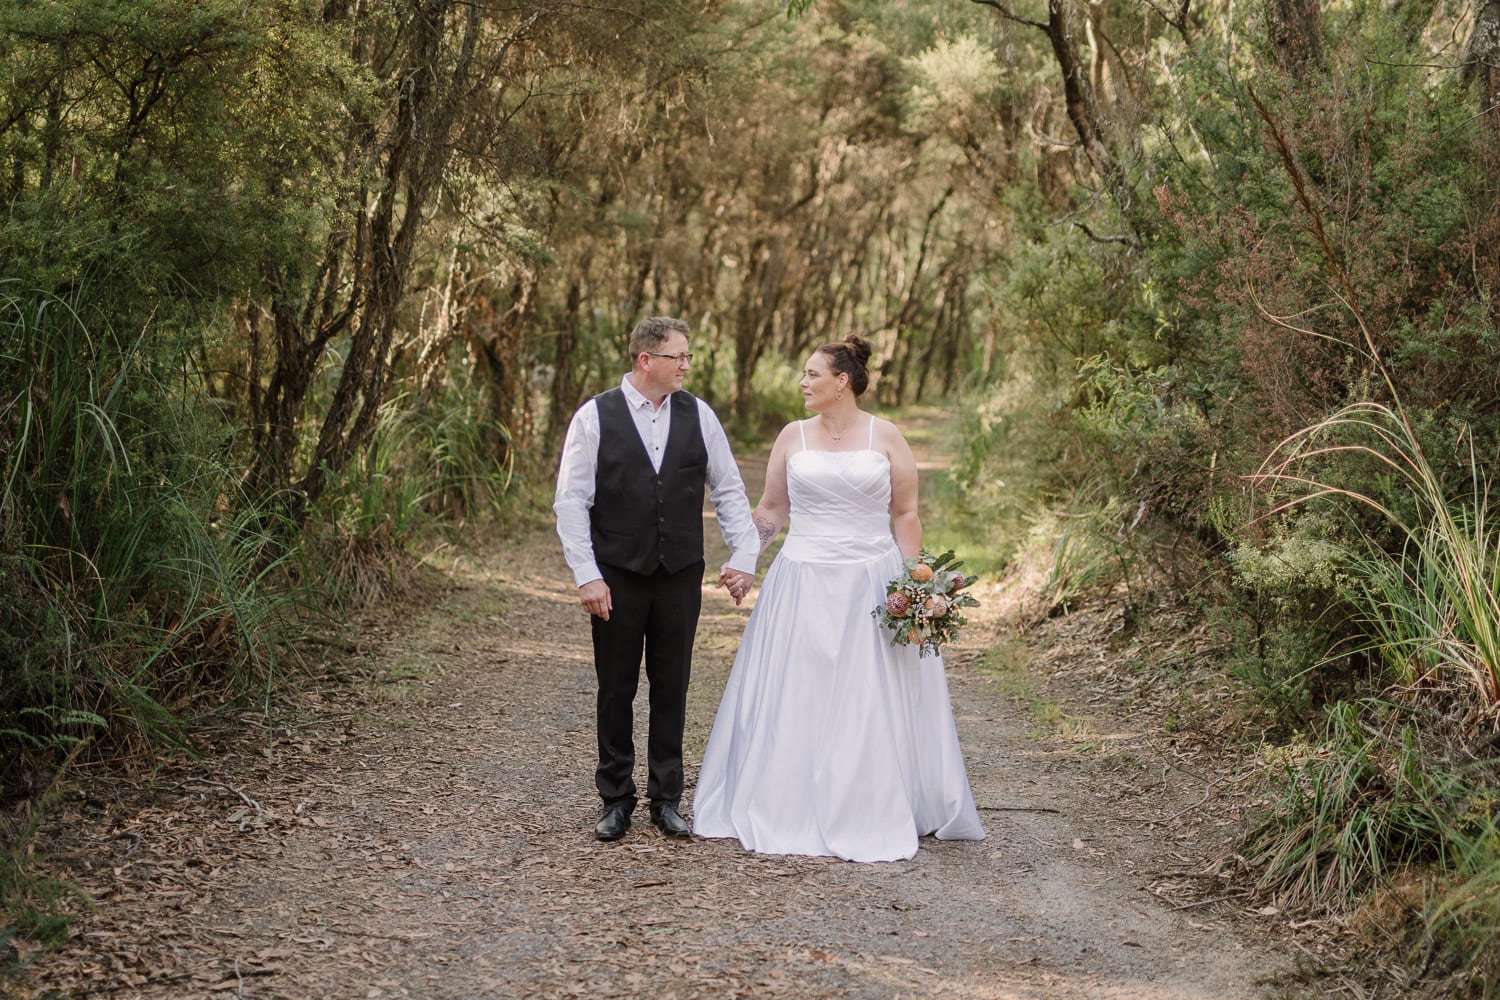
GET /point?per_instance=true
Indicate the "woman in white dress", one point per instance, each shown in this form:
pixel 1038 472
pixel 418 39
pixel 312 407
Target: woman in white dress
pixel 828 740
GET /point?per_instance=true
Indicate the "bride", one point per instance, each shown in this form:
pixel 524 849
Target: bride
pixel 828 740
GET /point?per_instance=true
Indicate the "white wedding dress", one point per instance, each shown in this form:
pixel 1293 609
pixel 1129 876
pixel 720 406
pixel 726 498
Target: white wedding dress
pixel 828 740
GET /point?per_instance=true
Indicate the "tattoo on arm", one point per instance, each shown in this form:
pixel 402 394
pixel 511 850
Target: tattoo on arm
pixel 766 528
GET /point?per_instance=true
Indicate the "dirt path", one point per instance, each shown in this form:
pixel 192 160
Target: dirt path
pixel 427 833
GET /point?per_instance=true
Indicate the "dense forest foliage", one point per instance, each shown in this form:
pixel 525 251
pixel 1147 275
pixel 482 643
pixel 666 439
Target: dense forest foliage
pixel 286 284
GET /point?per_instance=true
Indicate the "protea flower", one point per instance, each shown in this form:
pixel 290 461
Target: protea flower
pixel 935 606
pixel 898 603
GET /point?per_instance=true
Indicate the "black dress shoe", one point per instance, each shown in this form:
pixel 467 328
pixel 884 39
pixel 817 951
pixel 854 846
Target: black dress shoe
pixel 613 824
pixel 669 821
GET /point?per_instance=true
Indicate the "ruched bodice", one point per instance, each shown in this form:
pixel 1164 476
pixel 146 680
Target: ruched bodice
pixel 838 483
pixel 840 505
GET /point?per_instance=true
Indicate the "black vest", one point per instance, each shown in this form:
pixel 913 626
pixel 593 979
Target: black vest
pixel 642 519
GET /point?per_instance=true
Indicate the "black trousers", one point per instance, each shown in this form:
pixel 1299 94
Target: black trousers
pixel 657 613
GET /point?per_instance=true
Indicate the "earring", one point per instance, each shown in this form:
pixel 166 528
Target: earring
pixel 839 394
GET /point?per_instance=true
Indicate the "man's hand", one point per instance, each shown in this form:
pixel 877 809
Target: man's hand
pixel 596 599
pixel 736 582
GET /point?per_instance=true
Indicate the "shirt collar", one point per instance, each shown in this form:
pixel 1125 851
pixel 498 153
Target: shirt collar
pixel 634 396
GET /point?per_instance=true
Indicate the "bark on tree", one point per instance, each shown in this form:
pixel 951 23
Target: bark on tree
pixel 566 386
pixel 498 342
pixel 1481 67
pixel 1078 95
pixel 1296 30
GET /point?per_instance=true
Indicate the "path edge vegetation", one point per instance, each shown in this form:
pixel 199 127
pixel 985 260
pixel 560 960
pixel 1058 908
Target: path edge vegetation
pixel 1210 293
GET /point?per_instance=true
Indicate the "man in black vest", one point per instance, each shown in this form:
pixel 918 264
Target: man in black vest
pixel 629 508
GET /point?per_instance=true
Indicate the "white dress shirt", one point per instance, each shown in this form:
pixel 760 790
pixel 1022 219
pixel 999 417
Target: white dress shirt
pixel 580 460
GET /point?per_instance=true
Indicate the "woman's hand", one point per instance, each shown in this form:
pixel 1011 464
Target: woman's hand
pixel 737 583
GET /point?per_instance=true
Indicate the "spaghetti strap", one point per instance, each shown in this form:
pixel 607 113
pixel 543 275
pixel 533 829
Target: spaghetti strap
pixel 870 444
pixel 802 432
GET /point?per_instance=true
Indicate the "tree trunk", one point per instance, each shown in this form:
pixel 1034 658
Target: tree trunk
pixel 1296 28
pixel 362 282
pixel 1481 67
pixel 760 298
pixel 499 346
pixel 1081 107
pixel 563 399
pixel 417 157
pixel 1082 110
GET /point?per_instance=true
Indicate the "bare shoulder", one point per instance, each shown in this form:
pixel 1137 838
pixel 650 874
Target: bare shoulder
pixel 788 434
pixel 784 441
pixel 889 437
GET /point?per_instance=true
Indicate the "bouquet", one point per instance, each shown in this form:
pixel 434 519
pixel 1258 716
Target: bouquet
pixel 924 604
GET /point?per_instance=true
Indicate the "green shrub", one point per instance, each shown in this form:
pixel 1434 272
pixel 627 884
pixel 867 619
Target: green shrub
pixel 136 575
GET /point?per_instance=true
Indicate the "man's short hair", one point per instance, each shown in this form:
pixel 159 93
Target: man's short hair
pixel 650 332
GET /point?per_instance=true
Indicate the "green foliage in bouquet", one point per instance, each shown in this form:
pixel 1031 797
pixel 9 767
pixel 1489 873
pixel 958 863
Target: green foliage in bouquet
pixel 924 604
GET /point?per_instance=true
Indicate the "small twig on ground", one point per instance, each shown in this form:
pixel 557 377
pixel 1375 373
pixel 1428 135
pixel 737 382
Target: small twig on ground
pixel 365 932
pixel 1195 903
pixel 243 797
pixel 1207 794
pixel 1021 809
pixel 342 645
pixel 178 977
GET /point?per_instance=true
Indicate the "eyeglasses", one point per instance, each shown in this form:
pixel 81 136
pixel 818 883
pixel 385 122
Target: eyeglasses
pixel 681 359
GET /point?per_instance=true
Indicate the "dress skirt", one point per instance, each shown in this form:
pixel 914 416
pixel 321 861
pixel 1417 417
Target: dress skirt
pixel 828 740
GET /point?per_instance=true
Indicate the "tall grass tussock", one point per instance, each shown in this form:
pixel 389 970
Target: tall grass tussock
pixel 139 584
pixel 1403 784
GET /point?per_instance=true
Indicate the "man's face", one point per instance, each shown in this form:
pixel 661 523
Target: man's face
pixel 664 375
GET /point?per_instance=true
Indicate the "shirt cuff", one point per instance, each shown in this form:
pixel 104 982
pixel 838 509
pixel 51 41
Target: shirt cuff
pixel 587 573
pixel 744 561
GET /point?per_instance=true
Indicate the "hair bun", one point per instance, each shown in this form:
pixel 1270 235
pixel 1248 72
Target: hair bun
pixel 859 349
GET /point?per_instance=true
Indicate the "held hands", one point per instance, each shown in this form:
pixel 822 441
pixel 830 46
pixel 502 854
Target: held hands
pixel 596 599
pixel 737 583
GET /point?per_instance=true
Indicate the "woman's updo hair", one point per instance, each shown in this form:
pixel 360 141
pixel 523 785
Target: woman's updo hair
pixel 851 357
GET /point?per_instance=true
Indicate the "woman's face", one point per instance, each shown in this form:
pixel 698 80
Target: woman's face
pixel 820 386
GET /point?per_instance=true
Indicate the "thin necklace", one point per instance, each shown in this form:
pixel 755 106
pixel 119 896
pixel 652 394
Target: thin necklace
pixel 836 437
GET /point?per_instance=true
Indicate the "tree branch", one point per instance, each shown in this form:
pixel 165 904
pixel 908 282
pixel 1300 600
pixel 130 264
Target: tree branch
pixel 1129 241
pixel 1178 20
pixel 1009 15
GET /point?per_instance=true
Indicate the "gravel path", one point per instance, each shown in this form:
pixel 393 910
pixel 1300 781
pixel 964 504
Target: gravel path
pixel 425 831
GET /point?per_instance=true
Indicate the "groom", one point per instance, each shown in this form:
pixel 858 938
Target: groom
pixel 629 509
